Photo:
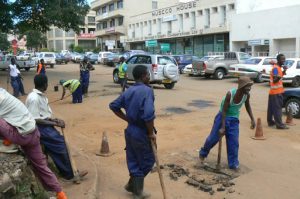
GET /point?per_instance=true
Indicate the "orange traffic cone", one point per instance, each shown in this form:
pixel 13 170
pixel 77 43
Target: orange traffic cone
pixel 259 133
pixel 104 150
pixel 289 117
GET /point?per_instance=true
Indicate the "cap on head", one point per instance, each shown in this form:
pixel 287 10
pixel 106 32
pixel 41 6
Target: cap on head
pixel 61 82
pixel 244 81
pixel 85 59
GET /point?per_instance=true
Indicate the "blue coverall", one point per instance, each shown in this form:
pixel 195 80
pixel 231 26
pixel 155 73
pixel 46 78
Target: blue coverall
pixel 138 102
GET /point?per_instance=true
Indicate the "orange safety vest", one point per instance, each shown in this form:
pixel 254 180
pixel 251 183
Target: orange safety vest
pixel 276 88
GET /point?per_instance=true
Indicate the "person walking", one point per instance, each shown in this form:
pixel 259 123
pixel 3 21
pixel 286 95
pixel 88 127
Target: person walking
pixel 41 69
pixel 16 79
pixel 74 87
pixel 18 126
pixel 85 68
pixel 53 142
pixel 122 74
pixel 227 122
pixel 275 101
pixel 138 102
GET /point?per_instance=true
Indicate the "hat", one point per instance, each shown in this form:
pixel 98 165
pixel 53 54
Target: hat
pixel 244 81
pixel 61 82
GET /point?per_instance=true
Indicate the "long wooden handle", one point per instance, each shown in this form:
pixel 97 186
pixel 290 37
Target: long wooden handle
pixel 73 165
pixel 159 171
pixel 219 151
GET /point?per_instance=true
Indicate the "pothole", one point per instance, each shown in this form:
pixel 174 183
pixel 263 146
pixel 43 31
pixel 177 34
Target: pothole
pixel 201 104
pixel 177 110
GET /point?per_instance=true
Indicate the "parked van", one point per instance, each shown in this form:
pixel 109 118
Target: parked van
pixel 49 58
pixel 103 56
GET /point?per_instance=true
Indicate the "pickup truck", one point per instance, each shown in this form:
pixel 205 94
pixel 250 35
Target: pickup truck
pixel 218 68
pixel 26 64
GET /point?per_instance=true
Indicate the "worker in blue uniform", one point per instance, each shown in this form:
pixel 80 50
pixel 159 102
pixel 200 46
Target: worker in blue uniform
pixel 85 68
pixel 227 122
pixel 138 102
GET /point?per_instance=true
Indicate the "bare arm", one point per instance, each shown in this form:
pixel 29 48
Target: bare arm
pixel 121 115
pixel 249 110
pixel 225 108
pixel 64 93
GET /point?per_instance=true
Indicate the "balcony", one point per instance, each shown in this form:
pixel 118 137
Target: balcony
pixel 96 4
pixel 111 14
pixel 111 31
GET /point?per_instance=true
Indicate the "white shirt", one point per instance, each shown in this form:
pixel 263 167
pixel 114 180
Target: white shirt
pixel 14 71
pixel 14 112
pixel 37 104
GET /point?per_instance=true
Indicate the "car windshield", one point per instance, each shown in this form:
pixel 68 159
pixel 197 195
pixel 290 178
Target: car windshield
pixel 94 56
pixel 49 55
pixel 289 63
pixel 253 61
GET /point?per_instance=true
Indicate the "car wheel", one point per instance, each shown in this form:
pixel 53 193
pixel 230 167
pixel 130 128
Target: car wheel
pixel 207 76
pixel 116 77
pixel 219 74
pixel 294 105
pixel 259 79
pixel 180 71
pixel 51 65
pixel 169 86
pixel 27 69
pixel 296 82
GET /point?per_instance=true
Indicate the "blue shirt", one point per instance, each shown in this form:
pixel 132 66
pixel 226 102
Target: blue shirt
pixel 138 102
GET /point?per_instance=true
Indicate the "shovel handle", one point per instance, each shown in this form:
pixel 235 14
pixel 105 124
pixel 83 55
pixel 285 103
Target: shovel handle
pixel 219 152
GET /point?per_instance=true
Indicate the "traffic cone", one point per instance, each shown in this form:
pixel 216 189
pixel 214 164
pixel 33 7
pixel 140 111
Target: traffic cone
pixel 259 133
pixel 289 117
pixel 104 150
pixel 6 142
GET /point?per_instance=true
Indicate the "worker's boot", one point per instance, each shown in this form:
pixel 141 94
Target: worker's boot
pixel 129 186
pixel 138 187
pixel 61 195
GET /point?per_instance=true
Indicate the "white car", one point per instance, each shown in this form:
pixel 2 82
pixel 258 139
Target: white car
pixel 188 69
pixel 292 74
pixel 103 56
pixel 48 57
pixel 252 68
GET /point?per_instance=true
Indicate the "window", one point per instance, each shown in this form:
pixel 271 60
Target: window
pixel 132 60
pixel 223 14
pixel 164 60
pixel 298 65
pixel 104 10
pixel 99 26
pixel 58 32
pixel 91 20
pixel 120 21
pixel 186 15
pixel 267 61
pixel 214 9
pixel 159 25
pixel 143 60
pixel 50 55
pixel 111 7
pixel 104 24
pixel 71 33
pixel 244 56
pixel 253 61
pixel 231 6
pixel 180 22
pixel 289 63
pixel 207 18
pixel 112 23
pixel 193 20
pixel 120 4
pixel 150 28
pixel 200 12
pixel 154 5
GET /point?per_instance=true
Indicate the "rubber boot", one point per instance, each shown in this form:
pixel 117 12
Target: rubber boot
pixel 129 186
pixel 138 187
pixel 61 195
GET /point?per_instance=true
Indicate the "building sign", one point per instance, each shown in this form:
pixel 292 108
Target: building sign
pixel 110 30
pixel 258 42
pixel 110 42
pixel 151 43
pixel 165 47
pixel 170 10
pixel 169 18
pixel 86 35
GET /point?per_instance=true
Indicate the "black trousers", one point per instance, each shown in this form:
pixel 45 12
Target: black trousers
pixel 275 110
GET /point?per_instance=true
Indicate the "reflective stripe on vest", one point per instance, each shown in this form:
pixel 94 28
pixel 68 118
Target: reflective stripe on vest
pixel 121 72
pixel 276 88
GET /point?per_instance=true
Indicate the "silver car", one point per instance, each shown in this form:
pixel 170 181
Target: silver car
pixel 161 68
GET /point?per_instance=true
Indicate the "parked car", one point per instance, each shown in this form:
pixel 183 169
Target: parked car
pixel 93 58
pixel 49 58
pixel 252 68
pixel 130 53
pixel 189 69
pixel 68 56
pixel 59 59
pixel 102 56
pixel 292 74
pixel 184 60
pixel 219 67
pixel 25 64
pixel 291 101
pixel 162 69
pixel 112 59
pixel 76 57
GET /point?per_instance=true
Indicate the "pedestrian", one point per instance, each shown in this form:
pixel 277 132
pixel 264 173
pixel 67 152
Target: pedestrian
pixel 227 122
pixel 16 79
pixel 122 69
pixel 74 87
pixel 85 68
pixel 53 142
pixel 18 126
pixel 275 102
pixel 41 69
pixel 138 102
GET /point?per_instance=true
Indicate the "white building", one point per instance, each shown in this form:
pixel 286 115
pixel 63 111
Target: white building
pixel 195 27
pixel 58 39
pixel 266 27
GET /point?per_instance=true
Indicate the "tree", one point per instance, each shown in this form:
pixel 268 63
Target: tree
pixel 23 15
pixel 78 49
pixel 35 39
pixel 71 47
pixel 4 43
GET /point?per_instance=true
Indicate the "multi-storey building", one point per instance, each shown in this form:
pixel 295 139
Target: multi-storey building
pixel 58 39
pixel 195 27
pixel 112 18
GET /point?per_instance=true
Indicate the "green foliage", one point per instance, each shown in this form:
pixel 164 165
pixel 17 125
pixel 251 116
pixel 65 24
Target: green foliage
pixel 71 47
pixel 78 49
pixel 39 15
pixel 4 43
pixel 97 50
pixel 44 50
pixel 35 39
